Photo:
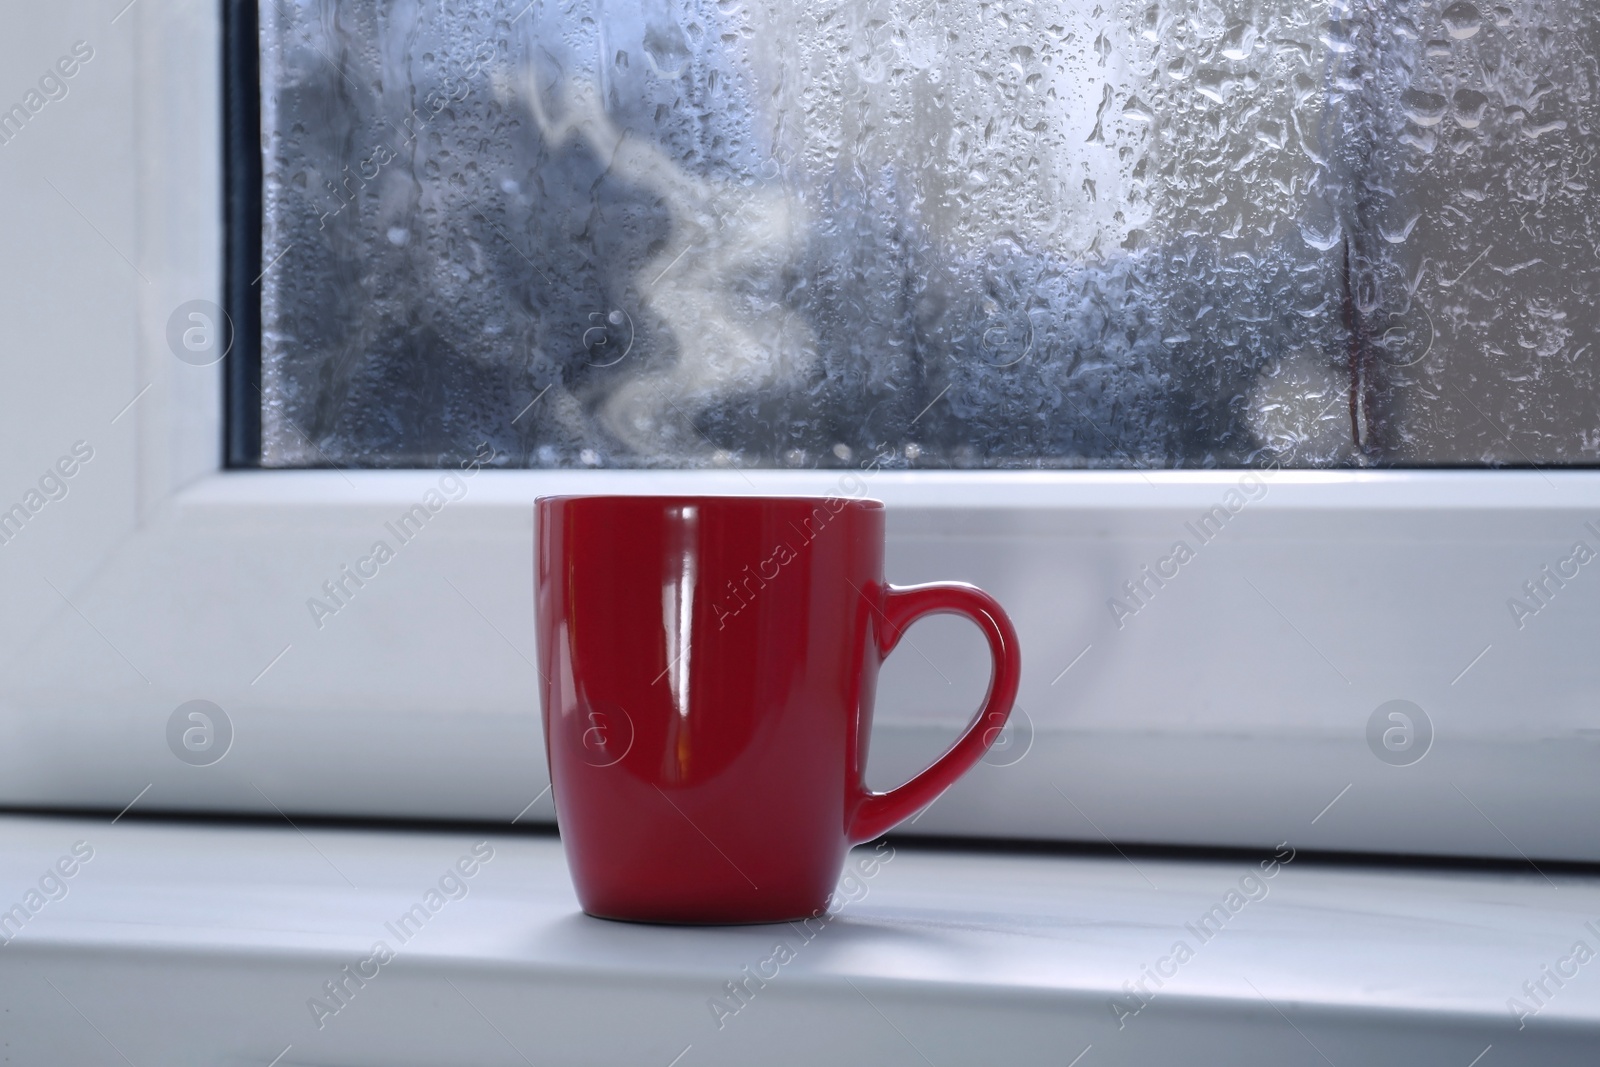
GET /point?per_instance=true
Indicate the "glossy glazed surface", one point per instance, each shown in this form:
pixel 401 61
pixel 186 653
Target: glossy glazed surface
pixel 709 666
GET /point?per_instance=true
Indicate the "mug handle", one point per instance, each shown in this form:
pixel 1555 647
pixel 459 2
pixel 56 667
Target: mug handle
pixel 876 813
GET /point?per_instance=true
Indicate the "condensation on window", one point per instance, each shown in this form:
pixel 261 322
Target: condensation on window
pixel 1051 234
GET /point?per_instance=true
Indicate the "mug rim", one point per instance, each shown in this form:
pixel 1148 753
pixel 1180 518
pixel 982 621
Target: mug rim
pixel 670 499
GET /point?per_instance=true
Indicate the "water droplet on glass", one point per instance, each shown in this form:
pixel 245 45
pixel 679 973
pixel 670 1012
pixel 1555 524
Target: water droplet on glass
pixel 1422 139
pixel 1135 110
pixel 1322 239
pixel 1213 85
pixel 1425 109
pixel 1339 36
pixel 666 48
pixel 1462 20
pixel 1469 107
pixel 1397 235
pixel 1239 41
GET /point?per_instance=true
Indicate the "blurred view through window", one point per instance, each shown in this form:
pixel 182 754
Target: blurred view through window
pixel 789 233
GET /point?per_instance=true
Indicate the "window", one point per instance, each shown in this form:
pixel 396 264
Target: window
pixel 685 234
pixel 1221 698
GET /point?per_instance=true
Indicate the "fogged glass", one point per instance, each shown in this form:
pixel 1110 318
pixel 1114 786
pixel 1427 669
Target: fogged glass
pixel 658 233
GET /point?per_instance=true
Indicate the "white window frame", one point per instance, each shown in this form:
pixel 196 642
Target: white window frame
pixel 1232 709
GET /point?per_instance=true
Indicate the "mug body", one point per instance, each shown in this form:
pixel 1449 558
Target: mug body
pixel 708 668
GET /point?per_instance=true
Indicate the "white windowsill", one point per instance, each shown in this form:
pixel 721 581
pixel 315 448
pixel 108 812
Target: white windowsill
pixel 201 943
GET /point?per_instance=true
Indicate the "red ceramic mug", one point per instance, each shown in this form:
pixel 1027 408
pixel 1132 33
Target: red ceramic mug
pixel 708 670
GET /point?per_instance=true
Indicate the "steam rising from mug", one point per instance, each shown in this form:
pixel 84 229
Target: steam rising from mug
pixel 729 244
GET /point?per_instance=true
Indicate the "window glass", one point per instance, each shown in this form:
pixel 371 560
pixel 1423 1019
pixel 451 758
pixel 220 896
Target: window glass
pixel 1066 233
